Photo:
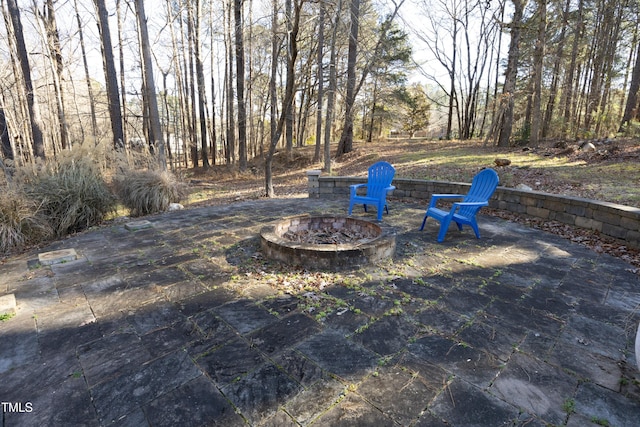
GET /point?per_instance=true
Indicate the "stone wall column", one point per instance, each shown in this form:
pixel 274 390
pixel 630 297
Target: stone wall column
pixel 314 183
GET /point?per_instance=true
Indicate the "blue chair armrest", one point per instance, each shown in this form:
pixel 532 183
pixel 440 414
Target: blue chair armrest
pixel 458 205
pixel 436 197
pixel 471 203
pixel 354 188
pixel 390 188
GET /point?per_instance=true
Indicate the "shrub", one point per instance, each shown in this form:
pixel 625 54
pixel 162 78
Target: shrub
pixel 149 191
pixel 73 193
pixel 21 222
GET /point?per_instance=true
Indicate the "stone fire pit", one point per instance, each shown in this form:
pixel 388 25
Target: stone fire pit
pixel 327 242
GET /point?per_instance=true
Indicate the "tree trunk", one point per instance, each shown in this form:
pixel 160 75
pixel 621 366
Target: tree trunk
pixel 373 110
pixel 180 88
pixel 320 79
pixel 202 90
pixel 302 116
pixel 5 140
pixel 242 112
pixel 23 59
pixel 288 134
pixel 276 129
pixel 55 55
pixel 632 97
pixel 214 139
pixel 331 93
pixel 604 37
pixel 495 103
pixel 507 100
pixel 346 140
pixel 110 74
pixel 231 129
pixel 273 128
pixel 167 114
pixel 150 87
pixel 92 107
pixel 123 90
pixel 553 91
pixel 191 80
pixel 609 68
pixel 452 79
pixel 536 120
pixel 306 88
pixel 569 80
pixel 629 69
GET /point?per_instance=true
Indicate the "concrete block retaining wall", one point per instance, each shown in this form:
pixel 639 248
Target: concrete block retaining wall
pixel 610 219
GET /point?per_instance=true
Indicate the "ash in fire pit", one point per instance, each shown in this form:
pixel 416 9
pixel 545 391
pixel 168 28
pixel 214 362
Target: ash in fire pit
pixel 331 236
pixel 327 241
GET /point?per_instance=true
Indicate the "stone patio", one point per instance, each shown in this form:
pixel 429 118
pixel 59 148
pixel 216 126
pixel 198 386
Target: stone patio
pixel 182 321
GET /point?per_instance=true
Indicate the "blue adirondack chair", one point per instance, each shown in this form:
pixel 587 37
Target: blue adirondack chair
pixel 378 185
pixel 464 212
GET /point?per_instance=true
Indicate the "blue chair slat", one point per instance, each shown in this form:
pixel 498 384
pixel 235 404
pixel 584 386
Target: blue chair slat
pixel 464 212
pixel 378 185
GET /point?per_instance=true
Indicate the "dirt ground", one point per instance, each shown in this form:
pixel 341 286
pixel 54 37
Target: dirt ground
pixel 608 171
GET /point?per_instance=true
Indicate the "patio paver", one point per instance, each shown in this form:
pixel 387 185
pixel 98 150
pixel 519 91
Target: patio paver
pixel 183 321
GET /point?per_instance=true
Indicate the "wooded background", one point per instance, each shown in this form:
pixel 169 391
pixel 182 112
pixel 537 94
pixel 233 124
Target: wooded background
pixel 222 82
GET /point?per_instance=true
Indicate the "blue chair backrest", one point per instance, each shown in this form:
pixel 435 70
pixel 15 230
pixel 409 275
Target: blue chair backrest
pixel 483 186
pixel 380 176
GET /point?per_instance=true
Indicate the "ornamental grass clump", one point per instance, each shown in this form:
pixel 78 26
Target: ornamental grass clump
pixel 21 222
pixel 72 194
pixel 149 191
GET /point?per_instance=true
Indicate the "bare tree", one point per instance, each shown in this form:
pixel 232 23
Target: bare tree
pixel 555 74
pixel 331 92
pixel 459 36
pixel 191 100
pixel 214 140
pixel 23 59
pixel 536 122
pixel 123 74
pixel 54 54
pixel 278 125
pixel 346 140
pixel 478 35
pixel 289 113
pixel 231 127
pixel 150 87
pixel 569 93
pixel 632 98
pixel 85 63
pixel 273 94
pixel 320 79
pixel 503 121
pixel 242 112
pixel 183 123
pixel 5 140
pixel 110 74
pixel 202 91
pixel 605 40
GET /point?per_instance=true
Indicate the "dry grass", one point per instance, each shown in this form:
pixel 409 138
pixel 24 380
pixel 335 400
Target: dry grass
pixel 73 191
pixel 149 191
pixel 72 194
pixel 21 222
pixel 611 173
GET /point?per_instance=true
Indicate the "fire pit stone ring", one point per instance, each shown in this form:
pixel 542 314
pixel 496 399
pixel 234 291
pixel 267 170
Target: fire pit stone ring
pixel 327 242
